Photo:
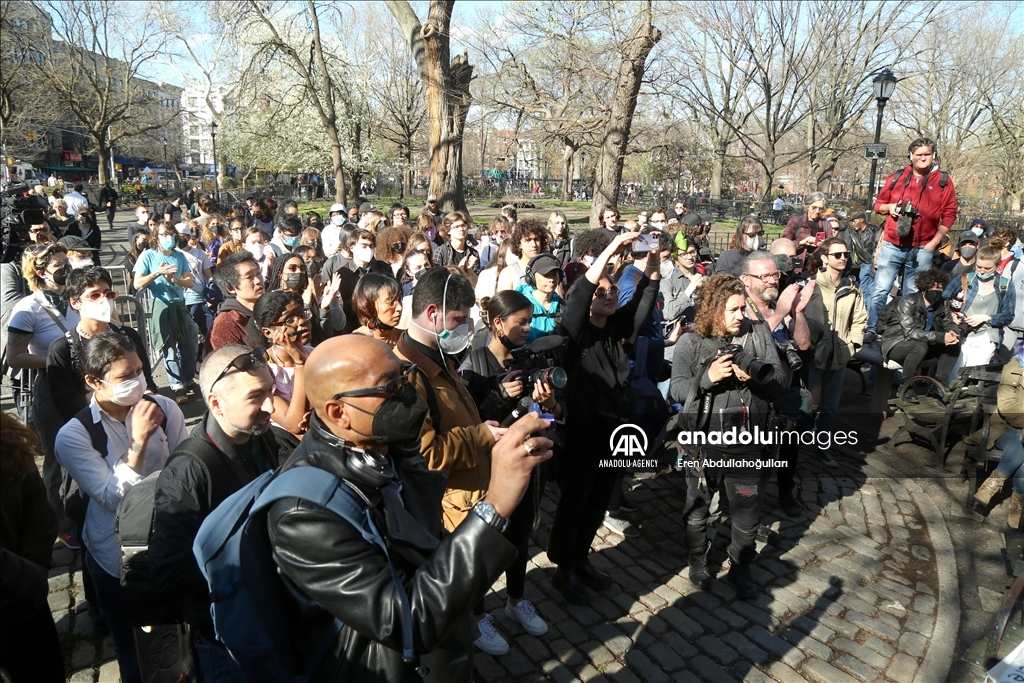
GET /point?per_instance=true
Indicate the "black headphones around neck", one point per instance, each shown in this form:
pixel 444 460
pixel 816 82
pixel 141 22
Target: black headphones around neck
pixel 365 467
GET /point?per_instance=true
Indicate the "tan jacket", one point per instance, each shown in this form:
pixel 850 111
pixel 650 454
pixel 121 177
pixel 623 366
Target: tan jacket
pixel 462 446
pixel 1010 401
pixel 843 333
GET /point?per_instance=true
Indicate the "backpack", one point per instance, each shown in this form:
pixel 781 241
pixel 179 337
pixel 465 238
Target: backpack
pixel 133 526
pixel 253 609
pixel 76 503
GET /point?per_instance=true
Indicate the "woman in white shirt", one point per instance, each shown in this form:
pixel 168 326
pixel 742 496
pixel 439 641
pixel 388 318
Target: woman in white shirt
pixel 36 321
pixel 255 242
pixel 137 437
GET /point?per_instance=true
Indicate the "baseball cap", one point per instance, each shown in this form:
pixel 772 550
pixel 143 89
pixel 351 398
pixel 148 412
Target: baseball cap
pixel 75 243
pixel 860 215
pixel 978 221
pixel 692 218
pixel 366 207
pixel 545 263
pixel 432 198
pixel 968 237
pixel 338 208
pixel 183 229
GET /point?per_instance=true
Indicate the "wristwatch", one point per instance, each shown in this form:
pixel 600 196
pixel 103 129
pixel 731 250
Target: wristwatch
pixel 135 447
pixel 486 512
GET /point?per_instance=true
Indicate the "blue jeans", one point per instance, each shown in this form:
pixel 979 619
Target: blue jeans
pixel 111 603
pixel 1012 462
pixel 892 259
pixel 181 359
pixel 867 288
pixel 215 662
pixel 828 402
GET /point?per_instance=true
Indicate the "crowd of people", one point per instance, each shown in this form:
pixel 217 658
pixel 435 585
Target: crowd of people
pixel 432 368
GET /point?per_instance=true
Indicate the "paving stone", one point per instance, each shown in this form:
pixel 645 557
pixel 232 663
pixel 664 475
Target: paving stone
pixel 550 611
pixel 923 588
pixel 612 638
pixel 879 646
pixel 668 595
pixel 913 644
pixel 775 646
pixel 584 614
pixel 682 623
pixel 902 668
pixel 709 671
pixel 640 664
pixel 84 655
pixel 893 576
pixel 682 646
pixel 822 672
pixel 840 626
pixel 853 602
pixel 488 667
pixel 813 627
pixel 717 649
pixel 666 657
pixel 621 674
pixel 109 673
pixel 793 602
pixel 809 646
pixel 858 668
pixel 784 674
pixel 517 664
pixel 925 604
pixel 556 671
pixel 61 581
pixel 905 591
pixel 533 647
pixel 567 653
pixel 708 622
pixel 862 653
pixel 84 676
pixel 873 625
pixel 831 552
pixel 572 631
pixel 59 600
pixel 920 552
pixel 919 623
pixel 597 653
pixel 62 620
pixel 748 652
pixel 723 590
pixel 605 607
pixel 590 673
pixel 755 614
pixel 705 600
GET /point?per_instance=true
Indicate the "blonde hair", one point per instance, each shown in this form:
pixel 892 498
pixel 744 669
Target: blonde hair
pixel 32 264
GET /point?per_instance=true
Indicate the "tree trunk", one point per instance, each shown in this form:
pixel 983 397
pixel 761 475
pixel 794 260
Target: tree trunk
pixel 567 158
pixel 354 176
pixel 717 171
pixel 339 171
pixel 769 172
pixel 446 84
pixel 608 173
pixel 103 161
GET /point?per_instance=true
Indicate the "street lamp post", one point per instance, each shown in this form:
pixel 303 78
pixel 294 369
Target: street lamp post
pixel 213 140
pixel 163 141
pixel 882 85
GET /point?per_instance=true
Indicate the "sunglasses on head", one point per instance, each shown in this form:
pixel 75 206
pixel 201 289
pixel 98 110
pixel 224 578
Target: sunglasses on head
pixel 251 360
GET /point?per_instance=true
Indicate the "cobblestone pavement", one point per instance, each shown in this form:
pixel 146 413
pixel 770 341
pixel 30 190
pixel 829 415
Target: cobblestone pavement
pixel 849 593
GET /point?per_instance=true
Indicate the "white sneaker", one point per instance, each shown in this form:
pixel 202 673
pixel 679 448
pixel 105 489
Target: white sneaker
pixel 490 641
pixel 525 614
pixel 620 526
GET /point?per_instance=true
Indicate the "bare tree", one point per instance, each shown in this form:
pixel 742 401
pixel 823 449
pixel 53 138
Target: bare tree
pixel 93 69
pixel 642 38
pixel 446 83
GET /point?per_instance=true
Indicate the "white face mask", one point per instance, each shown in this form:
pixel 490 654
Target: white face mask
pixel 755 243
pixel 588 260
pixel 256 250
pixel 451 342
pixel 128 392
pixel 666 268
pixel 102 310
pixel 81 263
pixel 362 254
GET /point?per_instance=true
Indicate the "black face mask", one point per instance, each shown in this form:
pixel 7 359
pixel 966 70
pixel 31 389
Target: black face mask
pixel 312 267
pixel 296 281
pixel 399 419
pixel 60 277
pixel 933 297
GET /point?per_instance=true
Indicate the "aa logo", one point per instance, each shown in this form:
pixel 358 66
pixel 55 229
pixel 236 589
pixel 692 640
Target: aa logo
pixel 628 441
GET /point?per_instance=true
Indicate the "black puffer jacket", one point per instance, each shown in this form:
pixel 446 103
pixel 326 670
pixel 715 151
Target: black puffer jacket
pixel 909 321
pixel 346 577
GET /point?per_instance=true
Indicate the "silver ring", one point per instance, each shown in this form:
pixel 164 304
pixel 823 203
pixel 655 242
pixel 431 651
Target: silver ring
pixel 530 448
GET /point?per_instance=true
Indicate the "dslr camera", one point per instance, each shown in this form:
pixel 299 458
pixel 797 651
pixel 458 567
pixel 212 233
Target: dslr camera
pixel 759 370
pixel 906 213
pixel 536 361
pixel 791 352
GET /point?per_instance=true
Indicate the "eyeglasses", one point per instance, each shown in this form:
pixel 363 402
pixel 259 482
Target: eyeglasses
pixel 398 247
pixel 816 208
pixel 768 277
pixel 293 320
pixel 97 295
pixel 251 360
pixel 36 231
pixel 840 254
pixel 759 233
pixel 389 388
pixel 601 292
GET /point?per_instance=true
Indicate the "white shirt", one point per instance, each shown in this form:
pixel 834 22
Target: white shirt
pixel 74 202
pixel 28 316
pixel 51 181
pixel 778 204
pixel 105 478
pixel 198 264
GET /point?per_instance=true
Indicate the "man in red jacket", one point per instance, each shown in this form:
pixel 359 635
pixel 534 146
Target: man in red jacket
pixel 925 199
pixel 239 278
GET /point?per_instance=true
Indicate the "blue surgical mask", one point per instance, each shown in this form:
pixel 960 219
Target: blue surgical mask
pixel 167 242
pixel 291 240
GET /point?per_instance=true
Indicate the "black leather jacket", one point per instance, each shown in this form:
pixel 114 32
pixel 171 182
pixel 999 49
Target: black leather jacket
pixel 344 576
pixel 862 242
pixel 911 318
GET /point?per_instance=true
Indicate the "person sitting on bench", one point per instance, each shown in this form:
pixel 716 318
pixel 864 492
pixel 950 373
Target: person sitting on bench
pixel 917 326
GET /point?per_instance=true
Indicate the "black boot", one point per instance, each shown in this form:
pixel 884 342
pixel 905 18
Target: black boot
pixel 699 574
pixel 739 578
pixel 790 505
pixel 571 587
pixel 592 577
